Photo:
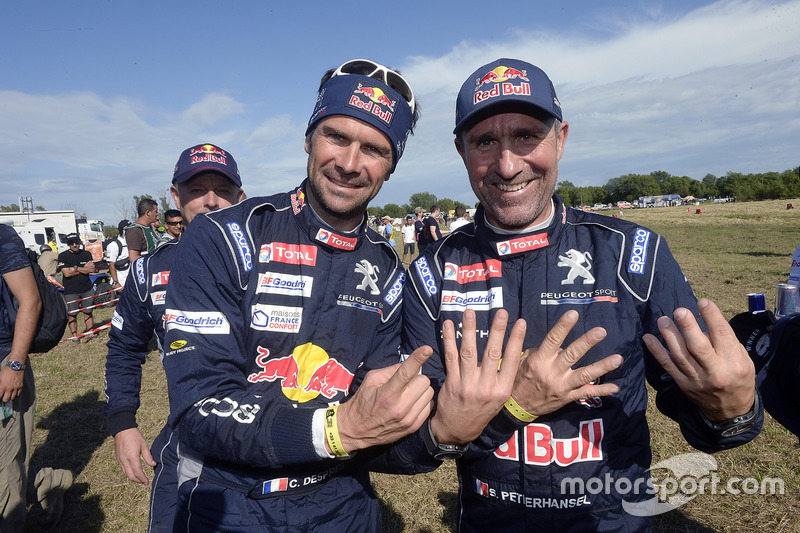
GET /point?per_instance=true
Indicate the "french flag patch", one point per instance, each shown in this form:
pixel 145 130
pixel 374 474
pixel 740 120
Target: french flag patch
pixel 480 487
pixel 275 485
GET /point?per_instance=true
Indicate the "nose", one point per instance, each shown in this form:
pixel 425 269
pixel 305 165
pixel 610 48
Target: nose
pixel 349 159
pixel 509 164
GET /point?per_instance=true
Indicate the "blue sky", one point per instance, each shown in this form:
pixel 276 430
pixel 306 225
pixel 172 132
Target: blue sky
pixel 98 98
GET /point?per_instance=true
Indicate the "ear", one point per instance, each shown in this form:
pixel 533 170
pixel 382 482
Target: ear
pixel 308 143
pixel 460 149
pixel 176 198
pixel 562 138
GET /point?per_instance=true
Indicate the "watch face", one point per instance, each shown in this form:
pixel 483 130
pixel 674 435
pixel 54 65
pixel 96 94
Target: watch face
pixel 15 365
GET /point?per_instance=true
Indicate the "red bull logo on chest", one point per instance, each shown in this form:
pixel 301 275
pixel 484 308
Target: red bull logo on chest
pixel 305 374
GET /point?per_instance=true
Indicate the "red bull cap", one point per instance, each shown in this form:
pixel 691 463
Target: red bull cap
pixel 205 158
pixel 505 85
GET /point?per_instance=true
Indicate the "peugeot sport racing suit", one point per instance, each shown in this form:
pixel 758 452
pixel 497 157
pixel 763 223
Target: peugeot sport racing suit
pixel 616 275
pixel 139 313
pixel 279 315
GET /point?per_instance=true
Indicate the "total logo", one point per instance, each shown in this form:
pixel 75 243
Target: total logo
pixel 522 244
pixel 160 278
pixel 336 241
pixel 293 254
pixel 303 375
pixel 374 101
pixel 541 447
pixel 492 268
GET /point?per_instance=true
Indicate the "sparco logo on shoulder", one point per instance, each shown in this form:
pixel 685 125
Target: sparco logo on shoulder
pixel 241 243
pixel 426 275
pixel 639 252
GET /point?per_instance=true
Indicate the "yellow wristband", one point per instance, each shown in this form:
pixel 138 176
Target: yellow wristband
pixel 332 432
pixel 517 411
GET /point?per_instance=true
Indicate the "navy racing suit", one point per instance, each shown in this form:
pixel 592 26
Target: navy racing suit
pixel 616 275
pixel 279 316
pixel 138 315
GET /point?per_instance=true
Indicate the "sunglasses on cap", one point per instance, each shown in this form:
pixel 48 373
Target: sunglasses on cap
pixel 365 67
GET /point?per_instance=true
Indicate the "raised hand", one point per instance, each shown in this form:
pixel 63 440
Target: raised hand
pixel 713 369
pixel 546 381
pixel 474 392
pixel 391 403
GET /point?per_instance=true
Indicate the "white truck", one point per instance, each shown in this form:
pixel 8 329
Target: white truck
pixel 40 227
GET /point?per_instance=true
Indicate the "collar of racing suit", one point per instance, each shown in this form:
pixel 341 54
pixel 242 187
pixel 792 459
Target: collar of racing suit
pixel 320 232
pixel 504 246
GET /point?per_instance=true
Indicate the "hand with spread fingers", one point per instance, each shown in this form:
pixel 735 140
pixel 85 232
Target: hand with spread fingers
pixel 712 369
pixel 474 392
pixel 390 403
pixel 546 381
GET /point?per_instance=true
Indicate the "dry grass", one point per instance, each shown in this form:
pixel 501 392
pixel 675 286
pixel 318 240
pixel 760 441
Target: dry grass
pixel 727 251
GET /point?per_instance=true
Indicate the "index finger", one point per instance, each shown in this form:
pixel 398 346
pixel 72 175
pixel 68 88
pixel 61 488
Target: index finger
pixel 409 369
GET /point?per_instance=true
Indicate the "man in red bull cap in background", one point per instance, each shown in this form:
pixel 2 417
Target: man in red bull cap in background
pixel 293 303
pixel 199 185
pixel 547 446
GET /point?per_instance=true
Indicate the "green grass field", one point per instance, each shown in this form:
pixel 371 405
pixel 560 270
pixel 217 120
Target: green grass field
pixel 727 251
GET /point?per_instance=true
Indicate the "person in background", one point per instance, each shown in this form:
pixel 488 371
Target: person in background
pixel 140 235
pixel 461 218
pixel 18 395
pixel 430 230
pixel 173 222
pixel 199 185
pixel 409 239
pixel 119 263
pixel 75 266
pixel 48 261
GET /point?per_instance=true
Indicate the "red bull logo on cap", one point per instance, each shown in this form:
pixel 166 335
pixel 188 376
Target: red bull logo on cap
pixel 504 81
pixel 374 101
pixel 305 374
pixel 208 152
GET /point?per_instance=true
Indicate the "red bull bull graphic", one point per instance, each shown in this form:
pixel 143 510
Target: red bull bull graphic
pixel 374 101
pixel 298 201
pixel 504 81
pixel 305 374
pixel 206 153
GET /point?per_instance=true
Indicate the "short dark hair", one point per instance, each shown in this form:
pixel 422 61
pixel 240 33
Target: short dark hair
pixel 145 205
pixel 460 210
pixel 172 213
pixel 434 207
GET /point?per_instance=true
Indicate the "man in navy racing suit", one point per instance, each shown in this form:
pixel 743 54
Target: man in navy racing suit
pixel 283 305
pixel 540 261
pixel 206 178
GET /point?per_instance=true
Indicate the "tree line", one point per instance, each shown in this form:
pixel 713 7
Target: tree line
pixel 630 187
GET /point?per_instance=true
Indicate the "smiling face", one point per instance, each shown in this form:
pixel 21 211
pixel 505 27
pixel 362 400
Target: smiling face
pixel 348 161
pixel 512 162
pixel 205 192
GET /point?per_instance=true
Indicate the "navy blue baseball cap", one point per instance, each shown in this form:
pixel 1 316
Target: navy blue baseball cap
pixel 205 158
pixel 505 86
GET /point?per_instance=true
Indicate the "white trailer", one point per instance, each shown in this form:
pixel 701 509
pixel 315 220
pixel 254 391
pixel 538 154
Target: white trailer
pixel 35 226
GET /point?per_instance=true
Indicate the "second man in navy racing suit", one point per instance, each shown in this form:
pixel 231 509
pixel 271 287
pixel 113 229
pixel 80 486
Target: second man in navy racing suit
pixel 206 178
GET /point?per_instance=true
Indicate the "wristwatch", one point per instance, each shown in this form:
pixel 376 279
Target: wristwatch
pixel 737 424
pixel 15 365
pixel 441 452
